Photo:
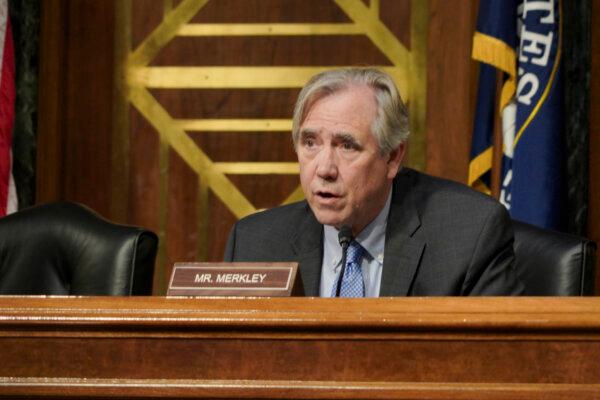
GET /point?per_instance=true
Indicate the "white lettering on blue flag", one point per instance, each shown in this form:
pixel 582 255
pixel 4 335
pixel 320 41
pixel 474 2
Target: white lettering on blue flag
pixel 532 175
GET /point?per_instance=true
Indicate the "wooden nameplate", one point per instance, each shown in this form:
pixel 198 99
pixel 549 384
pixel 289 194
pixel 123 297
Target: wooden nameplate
pixel 235 279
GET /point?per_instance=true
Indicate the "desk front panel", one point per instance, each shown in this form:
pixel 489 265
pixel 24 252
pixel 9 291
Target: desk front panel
pixel 425 348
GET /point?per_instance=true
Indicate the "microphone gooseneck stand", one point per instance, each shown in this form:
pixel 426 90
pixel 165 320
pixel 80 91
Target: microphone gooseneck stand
pixel 344 237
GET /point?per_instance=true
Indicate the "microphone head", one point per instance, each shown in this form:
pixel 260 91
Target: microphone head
pixel 345 235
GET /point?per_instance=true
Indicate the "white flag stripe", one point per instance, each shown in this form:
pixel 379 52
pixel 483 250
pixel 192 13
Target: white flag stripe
pixel 12 202
pixel 3 20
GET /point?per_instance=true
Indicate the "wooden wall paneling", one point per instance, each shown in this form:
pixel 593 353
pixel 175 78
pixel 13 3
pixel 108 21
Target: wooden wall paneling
pixel 76 86
pixel 594 154
pixel 417 99
pixel 120 168
pixel 89 95
pixel 452 77
pixel 50 130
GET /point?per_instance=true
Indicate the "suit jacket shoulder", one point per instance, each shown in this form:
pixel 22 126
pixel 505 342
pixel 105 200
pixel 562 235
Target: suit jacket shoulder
pixel 463 240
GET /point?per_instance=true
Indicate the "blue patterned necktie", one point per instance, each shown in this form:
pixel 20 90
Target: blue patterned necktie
pixel 353 284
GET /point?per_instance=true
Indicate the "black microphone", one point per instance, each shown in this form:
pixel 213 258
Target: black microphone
pixel 344 237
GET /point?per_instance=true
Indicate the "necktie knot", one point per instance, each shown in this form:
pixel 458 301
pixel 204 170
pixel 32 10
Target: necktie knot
pixel 355 253
pixel 353 284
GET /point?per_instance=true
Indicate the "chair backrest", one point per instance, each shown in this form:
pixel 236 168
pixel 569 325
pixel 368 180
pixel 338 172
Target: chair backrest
pixel 552 263
pixel 67 249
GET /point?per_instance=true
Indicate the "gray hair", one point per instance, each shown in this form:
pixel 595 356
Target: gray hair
pixel 391 124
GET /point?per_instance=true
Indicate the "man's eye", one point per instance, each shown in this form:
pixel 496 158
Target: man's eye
pixel 309 142
pixel 348 146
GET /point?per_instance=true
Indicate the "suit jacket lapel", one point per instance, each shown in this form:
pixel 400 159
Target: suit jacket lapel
pixel 308 246
pixel 402 249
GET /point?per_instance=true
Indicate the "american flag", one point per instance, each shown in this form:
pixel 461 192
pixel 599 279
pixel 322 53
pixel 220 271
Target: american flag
pixel 8 195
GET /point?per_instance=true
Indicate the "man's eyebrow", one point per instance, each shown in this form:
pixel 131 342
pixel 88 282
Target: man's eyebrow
pixel 307 132
pixel 346 137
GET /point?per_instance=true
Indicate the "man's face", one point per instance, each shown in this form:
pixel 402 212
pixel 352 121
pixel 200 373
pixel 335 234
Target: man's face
pixel 344 176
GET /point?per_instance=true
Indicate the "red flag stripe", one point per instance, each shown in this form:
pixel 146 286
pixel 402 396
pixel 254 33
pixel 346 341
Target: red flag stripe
pixel 7 101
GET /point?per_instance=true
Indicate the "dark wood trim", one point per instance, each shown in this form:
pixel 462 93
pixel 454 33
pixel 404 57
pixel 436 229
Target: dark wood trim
pixel 451 91
pixel 288 389
pixel 296 317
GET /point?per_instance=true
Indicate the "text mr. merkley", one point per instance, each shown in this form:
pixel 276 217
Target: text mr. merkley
pixel 230 278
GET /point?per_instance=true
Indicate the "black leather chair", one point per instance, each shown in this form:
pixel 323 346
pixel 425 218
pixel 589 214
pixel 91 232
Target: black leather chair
pixel 67 249
pixel 552 263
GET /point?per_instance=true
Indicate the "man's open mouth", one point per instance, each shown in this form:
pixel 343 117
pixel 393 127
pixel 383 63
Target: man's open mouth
pixel 326 195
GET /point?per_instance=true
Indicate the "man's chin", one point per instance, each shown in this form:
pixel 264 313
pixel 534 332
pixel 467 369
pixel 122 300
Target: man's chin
pixel 330 218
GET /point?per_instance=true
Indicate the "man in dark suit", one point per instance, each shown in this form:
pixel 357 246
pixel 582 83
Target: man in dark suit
pixel 413 234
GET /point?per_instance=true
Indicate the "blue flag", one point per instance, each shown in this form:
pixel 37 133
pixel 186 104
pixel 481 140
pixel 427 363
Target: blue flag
pixel 494 45
pixel 532 181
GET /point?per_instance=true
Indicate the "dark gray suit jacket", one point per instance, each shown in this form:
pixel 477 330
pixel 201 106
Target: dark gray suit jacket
pixel 442 239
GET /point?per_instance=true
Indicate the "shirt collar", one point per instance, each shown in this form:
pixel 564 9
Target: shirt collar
pixel 371 238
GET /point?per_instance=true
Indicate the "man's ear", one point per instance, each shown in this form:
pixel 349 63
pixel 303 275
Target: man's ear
pixel 395 160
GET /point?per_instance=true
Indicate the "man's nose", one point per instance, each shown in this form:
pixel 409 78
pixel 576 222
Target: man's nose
pixel 327 165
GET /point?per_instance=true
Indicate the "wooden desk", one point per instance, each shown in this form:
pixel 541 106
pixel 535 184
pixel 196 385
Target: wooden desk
pixel 300 348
